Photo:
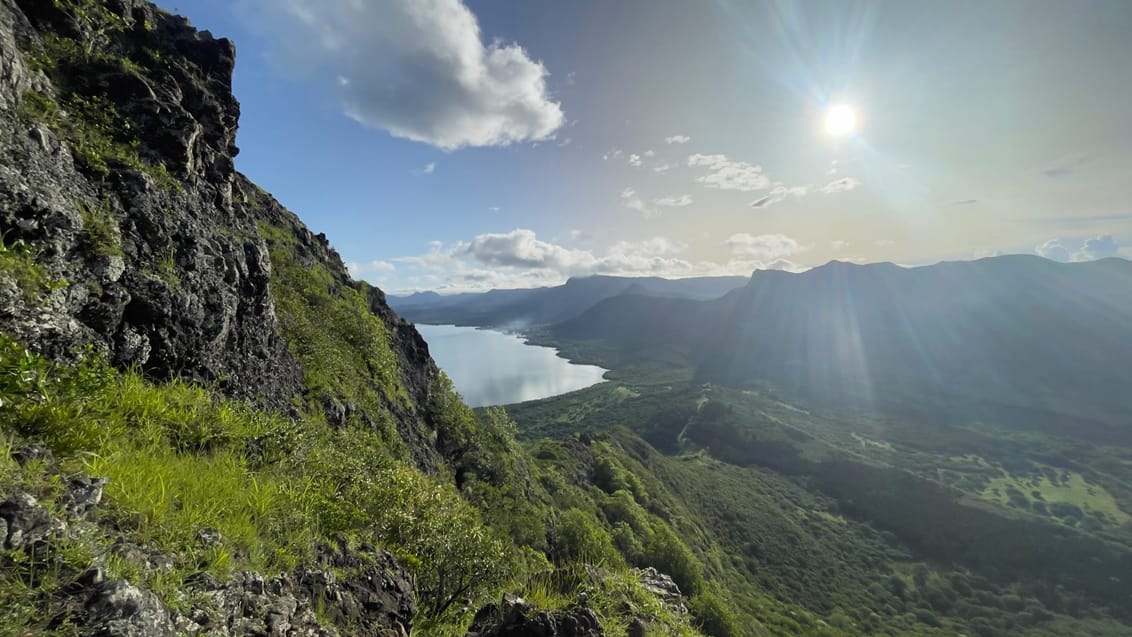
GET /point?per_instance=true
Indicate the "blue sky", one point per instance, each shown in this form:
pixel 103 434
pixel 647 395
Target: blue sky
pixel 467 145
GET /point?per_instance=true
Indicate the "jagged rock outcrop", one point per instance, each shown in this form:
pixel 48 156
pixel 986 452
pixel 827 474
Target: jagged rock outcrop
pixel 515 617
pixel 664 587
pixel 117 178
pixel 153 261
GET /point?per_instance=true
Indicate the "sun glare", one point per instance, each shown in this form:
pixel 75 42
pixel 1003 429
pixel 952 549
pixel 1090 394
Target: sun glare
pixel 840 120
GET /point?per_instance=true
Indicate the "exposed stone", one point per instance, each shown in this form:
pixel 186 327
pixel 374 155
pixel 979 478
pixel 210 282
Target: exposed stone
pixel 25 522
pixel 82 494
pixel 120 609
pixel 515 617
pixel 664 587
pixel 33 452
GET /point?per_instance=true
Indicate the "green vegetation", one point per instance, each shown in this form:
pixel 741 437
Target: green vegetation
pixel 180 461
pixel 813 524
pixel 100 228
pixel 342 346
pixel 19 262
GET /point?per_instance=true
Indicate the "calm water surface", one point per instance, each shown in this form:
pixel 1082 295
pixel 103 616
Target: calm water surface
pixel 493 368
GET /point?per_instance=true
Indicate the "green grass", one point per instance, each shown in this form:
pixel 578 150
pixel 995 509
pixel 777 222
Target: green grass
pixel 100 229
pixel 181 461
pixel 1044 491
pixel 343 347
pixel 19 262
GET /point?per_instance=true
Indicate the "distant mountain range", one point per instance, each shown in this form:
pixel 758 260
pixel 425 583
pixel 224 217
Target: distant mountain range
pixel 522 309
pixel 1051 343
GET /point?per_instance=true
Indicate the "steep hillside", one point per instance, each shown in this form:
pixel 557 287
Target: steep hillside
pixel 1007 333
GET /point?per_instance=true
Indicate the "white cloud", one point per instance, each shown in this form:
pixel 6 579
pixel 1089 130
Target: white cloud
pixel 765 247
pixel 674 201
pixel 634 159
pixel 519 248
pixel 1068 250
pixel 778 193
pixel 612 153
pixel 833 166
pixel 1100 247
pixel 730 175
pixel 677 139
pixel 429 168
pixel 663 168
pixel 418 69
pixel 844 184
pixel 649 153
pixel 565 141
pixel 631 200
pixel 494 208
pixel 520 259
pixel 838 244
pixel 359 269
pixel 1054 249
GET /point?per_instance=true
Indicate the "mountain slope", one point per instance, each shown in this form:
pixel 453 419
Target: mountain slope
pixel 1002 333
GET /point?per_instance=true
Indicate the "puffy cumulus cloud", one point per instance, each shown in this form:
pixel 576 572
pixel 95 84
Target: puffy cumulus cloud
pixel 674 201
pixel 726 174
pixel 1054 249
pixel 520 248
pixel 631 200
pixel 612 153
pixel 677 139
pixel 519 259
pixel 1067 250
pixel 778 192
pixel 764 247
pixel 418 69
pixel 1100 247
pixel 844 184
pixel 634 159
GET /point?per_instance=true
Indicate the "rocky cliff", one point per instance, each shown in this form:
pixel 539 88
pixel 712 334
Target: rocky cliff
pixel 117 178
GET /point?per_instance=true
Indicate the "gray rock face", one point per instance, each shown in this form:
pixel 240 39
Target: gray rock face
pixel 24 522
pixel 514 617
pixel 171 277
pixel 664 587
pixel 82 494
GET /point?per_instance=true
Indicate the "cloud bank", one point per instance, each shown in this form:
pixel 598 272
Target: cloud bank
pixel 518 259
pixel 418 69
pixel 1069 250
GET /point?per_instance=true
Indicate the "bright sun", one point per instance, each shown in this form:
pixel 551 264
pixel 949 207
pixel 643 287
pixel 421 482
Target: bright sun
pixel 840 120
